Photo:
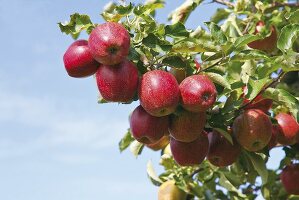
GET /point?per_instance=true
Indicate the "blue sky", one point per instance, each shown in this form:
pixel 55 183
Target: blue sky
pixel 56 142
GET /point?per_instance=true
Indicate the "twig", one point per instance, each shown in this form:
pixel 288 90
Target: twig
pixel 264 89
pixel 211 66
pixel 224 2
pixel 277 4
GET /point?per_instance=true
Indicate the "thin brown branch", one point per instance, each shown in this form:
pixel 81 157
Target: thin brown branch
pixel 264 89
pixel 277 4
pixel 224 2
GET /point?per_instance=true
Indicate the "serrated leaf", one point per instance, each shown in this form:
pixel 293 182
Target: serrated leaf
pixel 220 14
pixel 175 61
pixel 223 181
pixel 125 142
pixel 255 86
pixel 216 32
pixel 245 39
pixel 250 55
pixel 136 148
pixel 284 98
pixel 190 45
pixel 248 69
pixel 287 37
pixel 176 30
pixel 294 17
pixel 156 44
pixel 76 24
pixel 152 174
pixel 217 78
pixel 259 163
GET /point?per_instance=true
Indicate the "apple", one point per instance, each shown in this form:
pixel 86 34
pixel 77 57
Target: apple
pixel 179 74
pixel 289 178
pixel 288 129
pixel 273 141
pixel 190 153
pixel 169 191
pixel 109 43
pixel 267 44
pixel 198 93
pixel 221 152
pixel 258 103
pixel 160 144
pixel 146 128
pixel 159 93
pixel 187 126
pixel 78 61
pixel 252 129
pixel 118 83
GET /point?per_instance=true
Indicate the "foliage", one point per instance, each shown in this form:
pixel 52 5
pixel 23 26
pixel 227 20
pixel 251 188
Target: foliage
pixel 222 48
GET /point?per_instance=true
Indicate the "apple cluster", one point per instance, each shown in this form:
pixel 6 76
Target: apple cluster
pixel 173 107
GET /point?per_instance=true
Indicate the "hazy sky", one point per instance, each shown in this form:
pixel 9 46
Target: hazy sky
pixel 56 142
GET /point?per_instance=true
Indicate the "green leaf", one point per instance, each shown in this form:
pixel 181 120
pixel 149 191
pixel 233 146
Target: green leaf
pixel 287 37
pixel 220 14
pixel 152 174
pixel 76 24
pixel 125 142
pixel 250 55
pixel 136 148
pixel 217 78
pixel 155 43
pixel 284 98
pixel 259 164
pixel 175 61
pixel 248 69
pixel 245 39
pixel 223 181
pixel 176 30
pixel 255 86
pixel 216 32
pixel 190 45
pixel 294 17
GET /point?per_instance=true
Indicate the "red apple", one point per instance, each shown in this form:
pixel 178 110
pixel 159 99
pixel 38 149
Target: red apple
pixel 159 93
pixel 192 153
pixel 289 178
pixel 78 61
pixel 273 141
pixel 118 83
pixel 146 128
pixel 288 129
pixel 221 152
pixel 267 44
pixel 187 126
pixel 252 129
pixel 109 43
pixel 198 93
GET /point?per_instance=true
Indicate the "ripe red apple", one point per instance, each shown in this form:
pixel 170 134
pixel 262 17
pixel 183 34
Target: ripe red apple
pixel 159 93
pixel 267 44
pixel 198 93
pixel 258 103
pixel 191 153
pixel 221 152
pixel 273 141
pixel 109 43
pixel 118 83
pixel 160 144
pixel 146 128
pixel 179 74
pixel 78 61
pixel 289 178
pixel 252 129
pixel 288 129
pixel 187 126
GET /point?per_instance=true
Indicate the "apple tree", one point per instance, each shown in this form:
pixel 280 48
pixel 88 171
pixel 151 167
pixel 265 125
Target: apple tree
pixel 213 101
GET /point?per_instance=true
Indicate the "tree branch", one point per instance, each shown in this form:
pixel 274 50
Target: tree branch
pixel 277 4
pixel 264 89
pixel 224 2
